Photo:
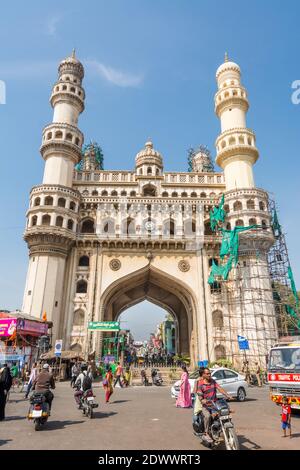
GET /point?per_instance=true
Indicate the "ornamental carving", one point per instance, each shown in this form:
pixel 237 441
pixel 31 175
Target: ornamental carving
pixel 115 264
pixel 184 266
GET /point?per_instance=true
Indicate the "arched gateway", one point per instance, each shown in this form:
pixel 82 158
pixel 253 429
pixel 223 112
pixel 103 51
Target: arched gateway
pixel 100 240
pixel 161 289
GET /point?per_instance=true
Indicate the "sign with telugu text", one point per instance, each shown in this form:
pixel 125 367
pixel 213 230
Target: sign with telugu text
pixel 104 325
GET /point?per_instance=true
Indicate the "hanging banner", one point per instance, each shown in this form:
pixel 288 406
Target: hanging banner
pixel 8 326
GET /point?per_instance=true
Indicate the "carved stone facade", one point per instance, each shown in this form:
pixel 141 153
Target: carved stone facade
pixel 101 241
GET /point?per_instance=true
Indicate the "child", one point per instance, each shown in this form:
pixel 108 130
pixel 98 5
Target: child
pixel 286 416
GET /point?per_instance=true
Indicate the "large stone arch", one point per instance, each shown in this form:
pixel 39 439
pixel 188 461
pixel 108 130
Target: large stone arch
pixel 162 289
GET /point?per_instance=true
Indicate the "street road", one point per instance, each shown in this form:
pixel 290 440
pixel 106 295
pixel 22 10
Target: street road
pixel 139 418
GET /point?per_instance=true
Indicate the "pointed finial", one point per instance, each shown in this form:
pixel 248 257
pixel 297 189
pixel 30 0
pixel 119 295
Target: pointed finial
pixel 73 54
pixel 226 57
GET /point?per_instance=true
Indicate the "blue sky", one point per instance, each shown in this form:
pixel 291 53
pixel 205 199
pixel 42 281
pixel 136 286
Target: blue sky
pixel 150 71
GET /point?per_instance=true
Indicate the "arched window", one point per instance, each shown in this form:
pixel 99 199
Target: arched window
pixel 114 193
pixel 262 206
pixel 169 228
pixel 104 193
pixel 37 201
pixel 226 208
pixel 203 194
pixel 174 194
pixel 252 221
pixel 237 206
pixel 88 226
pixel 193 194
pixel 149 190
pixel 250 204
pixel 128 227
pixel 46 219
pixel 132 193
pixel 217 319
pixel 149 170
pixel 189 228
pixel 95 193
pixel 84 261
pixel 239 223
pixel 165 194
pixel 157 172
pixel 70 224
pixel 72 89
pixel 207 228
pixel 109 227
pixel 69 137
pixel 49 135
pixel 78 318
pixel 58 135
pixel 81 287
pixel 72 206
pixel 228 226
pixel 184 194
pixel 59 221
pixel 123 193
pixel 34 221
pixel 61 202
pixel 264 224
pixel 48 201
pixel 77 141
pixel 220 352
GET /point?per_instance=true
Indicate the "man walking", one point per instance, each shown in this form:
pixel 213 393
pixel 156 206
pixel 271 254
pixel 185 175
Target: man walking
pixel 119 373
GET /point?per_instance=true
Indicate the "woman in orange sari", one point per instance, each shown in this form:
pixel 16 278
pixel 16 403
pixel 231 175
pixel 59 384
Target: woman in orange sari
pixel 184 399
pixel 108 384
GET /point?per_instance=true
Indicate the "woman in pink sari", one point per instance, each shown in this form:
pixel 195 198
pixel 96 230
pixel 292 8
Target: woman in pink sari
pixel 184 399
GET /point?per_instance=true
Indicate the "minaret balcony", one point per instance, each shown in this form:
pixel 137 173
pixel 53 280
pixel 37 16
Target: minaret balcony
pixel 231 96
pixel 59 137
pixel 236 142
pixel 68 92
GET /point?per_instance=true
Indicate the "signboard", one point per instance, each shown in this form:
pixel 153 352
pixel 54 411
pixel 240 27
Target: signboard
pixel 203 363
pixel 108 359
pixel 6 357
pixel 32 327
pixel 281 377
pixel 243 343
pixel 7 326
pixel 58 347
pixel 104 325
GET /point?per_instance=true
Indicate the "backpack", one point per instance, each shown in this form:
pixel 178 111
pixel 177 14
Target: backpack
pixel 86 383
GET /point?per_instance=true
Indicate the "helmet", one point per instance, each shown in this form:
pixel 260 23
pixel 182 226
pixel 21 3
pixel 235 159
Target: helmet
pixel 46 366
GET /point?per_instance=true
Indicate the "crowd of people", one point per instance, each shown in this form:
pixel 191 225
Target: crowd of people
pixel 153 360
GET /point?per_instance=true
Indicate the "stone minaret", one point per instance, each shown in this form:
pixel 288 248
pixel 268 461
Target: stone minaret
pixel 53 213
pixel 236 149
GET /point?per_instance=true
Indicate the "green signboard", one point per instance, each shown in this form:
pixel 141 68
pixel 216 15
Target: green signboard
pixel 104 325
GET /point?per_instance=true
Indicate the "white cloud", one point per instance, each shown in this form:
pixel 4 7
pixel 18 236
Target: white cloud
pixel 51 25
pixel 114 76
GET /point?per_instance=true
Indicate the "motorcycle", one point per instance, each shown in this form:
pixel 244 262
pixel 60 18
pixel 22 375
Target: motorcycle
pixel 156 377
pixel 221 428
pixel 87 403
pixel 38 410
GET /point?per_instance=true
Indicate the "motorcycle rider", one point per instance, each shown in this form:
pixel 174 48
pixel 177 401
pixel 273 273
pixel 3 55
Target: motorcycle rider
pixel 206 388
pixel 43 383
pixel 80 382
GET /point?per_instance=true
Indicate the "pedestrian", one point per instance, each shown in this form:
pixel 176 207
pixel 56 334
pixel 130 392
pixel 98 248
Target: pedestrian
pixel 5 384
pixel 286 414
pixel 108 384
pixel 246 371
pixel 258 374
pixel 32 377
pixel 184 399
pixel 127 377
pixel 119 373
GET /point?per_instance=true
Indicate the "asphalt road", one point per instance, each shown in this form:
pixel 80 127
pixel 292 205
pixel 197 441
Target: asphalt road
pixel 139 418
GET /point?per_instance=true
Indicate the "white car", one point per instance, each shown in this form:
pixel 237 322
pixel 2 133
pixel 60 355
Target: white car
pixel 232 382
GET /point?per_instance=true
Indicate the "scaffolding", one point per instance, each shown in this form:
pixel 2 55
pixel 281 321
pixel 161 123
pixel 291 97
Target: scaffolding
pixel 256 299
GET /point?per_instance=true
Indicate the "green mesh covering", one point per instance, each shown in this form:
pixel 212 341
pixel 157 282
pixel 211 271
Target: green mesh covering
pixel 293 285
pixel 217 215
pixel 290 311
pixel 229 248
pixel 275 223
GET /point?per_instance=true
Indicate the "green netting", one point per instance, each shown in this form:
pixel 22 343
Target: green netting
pixel 275 223
pixel 293 285
pixel 230 248
pixel 290 311
pixel 217 215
